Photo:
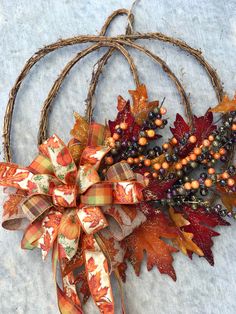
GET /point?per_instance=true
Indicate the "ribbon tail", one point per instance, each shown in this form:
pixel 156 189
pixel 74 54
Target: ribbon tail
pixel 66 306
pixel 98 278
pixel 31 236
pixel 68 300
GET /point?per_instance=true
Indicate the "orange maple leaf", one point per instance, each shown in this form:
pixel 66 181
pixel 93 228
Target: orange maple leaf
pixel 226 105
pixel 148 238
pixel 141 107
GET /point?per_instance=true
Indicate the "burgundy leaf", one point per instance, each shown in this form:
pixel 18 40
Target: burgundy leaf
pixel 181 127
pixel 200 221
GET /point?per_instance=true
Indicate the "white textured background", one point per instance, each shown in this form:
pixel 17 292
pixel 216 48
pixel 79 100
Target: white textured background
pixel 26 284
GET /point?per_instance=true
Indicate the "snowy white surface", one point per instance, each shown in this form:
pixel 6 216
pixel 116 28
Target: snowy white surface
pixel 26 284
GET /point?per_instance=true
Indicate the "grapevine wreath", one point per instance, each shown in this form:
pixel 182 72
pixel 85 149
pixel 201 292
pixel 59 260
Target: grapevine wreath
pixel 113 192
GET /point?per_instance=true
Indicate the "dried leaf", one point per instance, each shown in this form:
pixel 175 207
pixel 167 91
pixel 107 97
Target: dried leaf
pixel 226 105
pixel 148 238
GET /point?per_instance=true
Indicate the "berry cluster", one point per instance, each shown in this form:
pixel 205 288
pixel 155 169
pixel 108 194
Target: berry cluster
pixel 170 161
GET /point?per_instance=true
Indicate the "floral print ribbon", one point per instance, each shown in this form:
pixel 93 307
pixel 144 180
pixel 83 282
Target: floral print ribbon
pixel 69 209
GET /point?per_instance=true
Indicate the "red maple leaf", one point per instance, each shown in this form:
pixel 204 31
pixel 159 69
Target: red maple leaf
pixel 149 238
pixel 200 221
pixel 157 190
pixel 202 127
pixel 125 115
pixel 181 127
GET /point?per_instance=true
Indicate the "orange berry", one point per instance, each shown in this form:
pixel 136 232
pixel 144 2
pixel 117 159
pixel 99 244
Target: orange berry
pixel 141 158
pixel 230 182
pixel 136 160
pixel 174 141
pixel 178 166
pixel 150 133
pixel 211 171
pixel 142 141
pixel 211 138
pixel 116 136
pixel 208 183
pixel 158 122
pixel 234 127
pixel 197 151
pixel 216 156
pixel 222 151
pixel 192 139
pixel 165 165
pixel 123 125
pixel 157 166
pixel 195 184
pixel 146 174
pixel 163 110
pixel 184 162
pixel 130 160
pixel 147 162
pixel 187 186
pixel 193 156
pixel 206 143
pixel 109 160
pixel 166 146
pixel 155 175
pixel 225 175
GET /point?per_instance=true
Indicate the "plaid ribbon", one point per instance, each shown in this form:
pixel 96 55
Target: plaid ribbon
pixel 96 134
pixel 41 164
pixel 35 205
pixel 99 194
pixel 120 171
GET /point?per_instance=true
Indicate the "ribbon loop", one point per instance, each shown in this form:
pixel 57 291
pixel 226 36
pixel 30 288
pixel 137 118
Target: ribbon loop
pixel 91 219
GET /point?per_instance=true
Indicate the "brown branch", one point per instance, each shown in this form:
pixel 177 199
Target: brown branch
pixel 57 84
pixel 125 39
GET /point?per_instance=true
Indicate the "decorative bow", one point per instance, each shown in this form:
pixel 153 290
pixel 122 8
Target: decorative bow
pixel 59 198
